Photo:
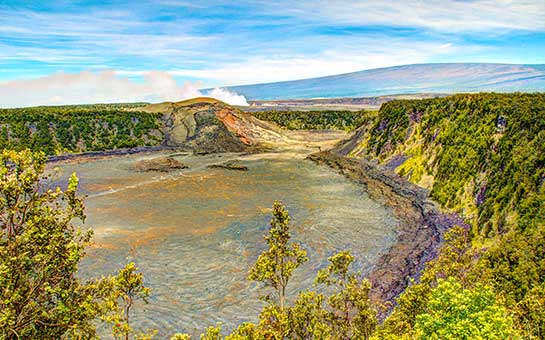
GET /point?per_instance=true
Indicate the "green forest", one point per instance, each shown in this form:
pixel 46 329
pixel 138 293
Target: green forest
pixel 315 120
pixel 480 155
pixel 78 128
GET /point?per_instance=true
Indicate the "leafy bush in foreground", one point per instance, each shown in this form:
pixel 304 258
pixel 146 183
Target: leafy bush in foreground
pixel 41 297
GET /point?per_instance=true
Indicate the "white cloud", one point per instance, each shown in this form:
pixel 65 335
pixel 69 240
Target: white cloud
pixel 94 36
pixel 493 16
pixel 102 87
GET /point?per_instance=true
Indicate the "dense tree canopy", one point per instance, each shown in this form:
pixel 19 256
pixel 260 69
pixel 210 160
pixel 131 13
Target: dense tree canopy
pixel 59 129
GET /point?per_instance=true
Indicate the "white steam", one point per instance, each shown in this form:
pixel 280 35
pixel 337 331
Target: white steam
pixel 227 96
pixel 103 87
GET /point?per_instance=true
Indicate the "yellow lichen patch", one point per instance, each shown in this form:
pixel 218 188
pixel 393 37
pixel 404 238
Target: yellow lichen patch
pixel 467 201
pixel 426 181
pixel 360 149
pixel 414 168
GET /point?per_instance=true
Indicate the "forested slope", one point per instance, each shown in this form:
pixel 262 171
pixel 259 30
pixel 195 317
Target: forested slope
pixel 315 120
pixel 482 155
pixel 60 129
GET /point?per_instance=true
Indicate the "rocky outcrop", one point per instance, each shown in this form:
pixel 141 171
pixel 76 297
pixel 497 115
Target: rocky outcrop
pixel 161 164
pixel 230 165
pixel 421 223
pixel 211 135
pixel 207 125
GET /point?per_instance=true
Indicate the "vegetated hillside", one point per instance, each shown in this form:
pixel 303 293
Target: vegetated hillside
pixel 200 124
pixel 75 128
pixel 315 120
pixel 406 79
pixel 482 155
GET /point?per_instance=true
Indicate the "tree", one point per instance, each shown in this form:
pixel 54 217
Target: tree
pixel 245 331
pixel 308 319
pixel 352 315
pixel 127 287
pixel 212 333
pixel 275 265
pixel 41 297
pixel 457 313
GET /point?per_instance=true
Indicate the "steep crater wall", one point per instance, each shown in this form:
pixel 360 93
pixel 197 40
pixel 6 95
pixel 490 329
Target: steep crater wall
pixel 421 225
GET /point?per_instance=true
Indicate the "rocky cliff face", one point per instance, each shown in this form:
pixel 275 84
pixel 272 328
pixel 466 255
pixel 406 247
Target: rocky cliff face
pixel 207 125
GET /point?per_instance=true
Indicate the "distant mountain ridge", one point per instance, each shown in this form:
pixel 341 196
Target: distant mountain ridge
pixel 406 79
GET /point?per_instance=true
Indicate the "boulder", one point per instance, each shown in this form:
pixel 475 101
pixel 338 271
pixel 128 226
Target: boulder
pixel 161 164
pixel 230 165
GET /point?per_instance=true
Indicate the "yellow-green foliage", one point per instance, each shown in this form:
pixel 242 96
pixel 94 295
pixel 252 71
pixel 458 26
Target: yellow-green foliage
pixel 414 168
pixel 453 312
pixel 479 147
pixel 212 333
pixel 308 318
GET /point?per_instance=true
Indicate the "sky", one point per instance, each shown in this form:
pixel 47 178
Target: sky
pixel 81 51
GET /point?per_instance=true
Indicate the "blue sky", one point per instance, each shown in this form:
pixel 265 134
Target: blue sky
pixel 215 43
